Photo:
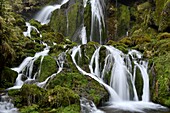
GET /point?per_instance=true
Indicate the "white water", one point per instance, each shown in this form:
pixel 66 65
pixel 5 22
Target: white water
pixel 85 3
pixel 60 62
pixel 121 72
pixel 122 78
pixel 45 14
pixel 6 105
pixel 112 93
pixel 83 36
pixel 29 29
pixel 25 69
pixel 97 12
pixel 87 106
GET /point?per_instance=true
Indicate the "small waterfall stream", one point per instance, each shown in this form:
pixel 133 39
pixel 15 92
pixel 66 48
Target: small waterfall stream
pixel 6 106
pixel 44 15
pixel 97 19
pixel 122 90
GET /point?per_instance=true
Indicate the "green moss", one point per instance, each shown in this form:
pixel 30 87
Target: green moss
pixel 30 109
pixel 61 96
pixel 162 14
pixel 82 85
pixel 48 67
pixel 8 77
pixel 119 45
pixel 163 36
pixel 16 97
pixel 27 95
pixel 52 37
pixel 74 108
pixel 123 18
pixel 31 94
pixel 144 6
pixel 161 91
pixel 127 41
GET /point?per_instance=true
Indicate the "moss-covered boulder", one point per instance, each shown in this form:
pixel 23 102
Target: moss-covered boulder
pixel 68 19
pixel 32 99
pixel 60 96
pixel 162 18
pixel 161 91
pixel 8 77
pixel 27 95
pixel 48 67
pixel 82 85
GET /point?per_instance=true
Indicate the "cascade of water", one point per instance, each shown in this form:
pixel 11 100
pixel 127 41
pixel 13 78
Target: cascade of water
pixel 113 94
pixel 97 10
pixel 26 67
pixel 6 105
pixel 83 36
pixel 85 3
pixel 123 93
pixel 29 29
pixel 96 58
pixel 60 61
pixel 44 15
pixel 119 75
pixel 87 106
pixel 142 65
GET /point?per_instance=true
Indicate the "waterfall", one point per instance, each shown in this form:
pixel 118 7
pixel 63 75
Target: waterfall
pixel 25 69
pixel 6 105
pixel 60 62
pixel 122 89
pixel 83 35
pixel 97 19
pixel 113 95
pixel 121 68
pixel 29 29
pixel 87 106
pixel 45 14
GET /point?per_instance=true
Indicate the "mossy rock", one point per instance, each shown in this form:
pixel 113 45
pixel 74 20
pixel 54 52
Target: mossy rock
pixel 60 96
pixel 30 109
pixel 127 41
pixel 74 108
pixel 119 45
pixel 27 95
pixel 161 15
pixel 161 47
pixel 144 6
pixel 48 68
pixel 163 36
pixel 140 39
pixel 8 77
pixel 162 84
pixel 52 37
pixel 82 85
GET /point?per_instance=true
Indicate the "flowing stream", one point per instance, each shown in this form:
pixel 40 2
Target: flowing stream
pixel 122 68
pixel 122 90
